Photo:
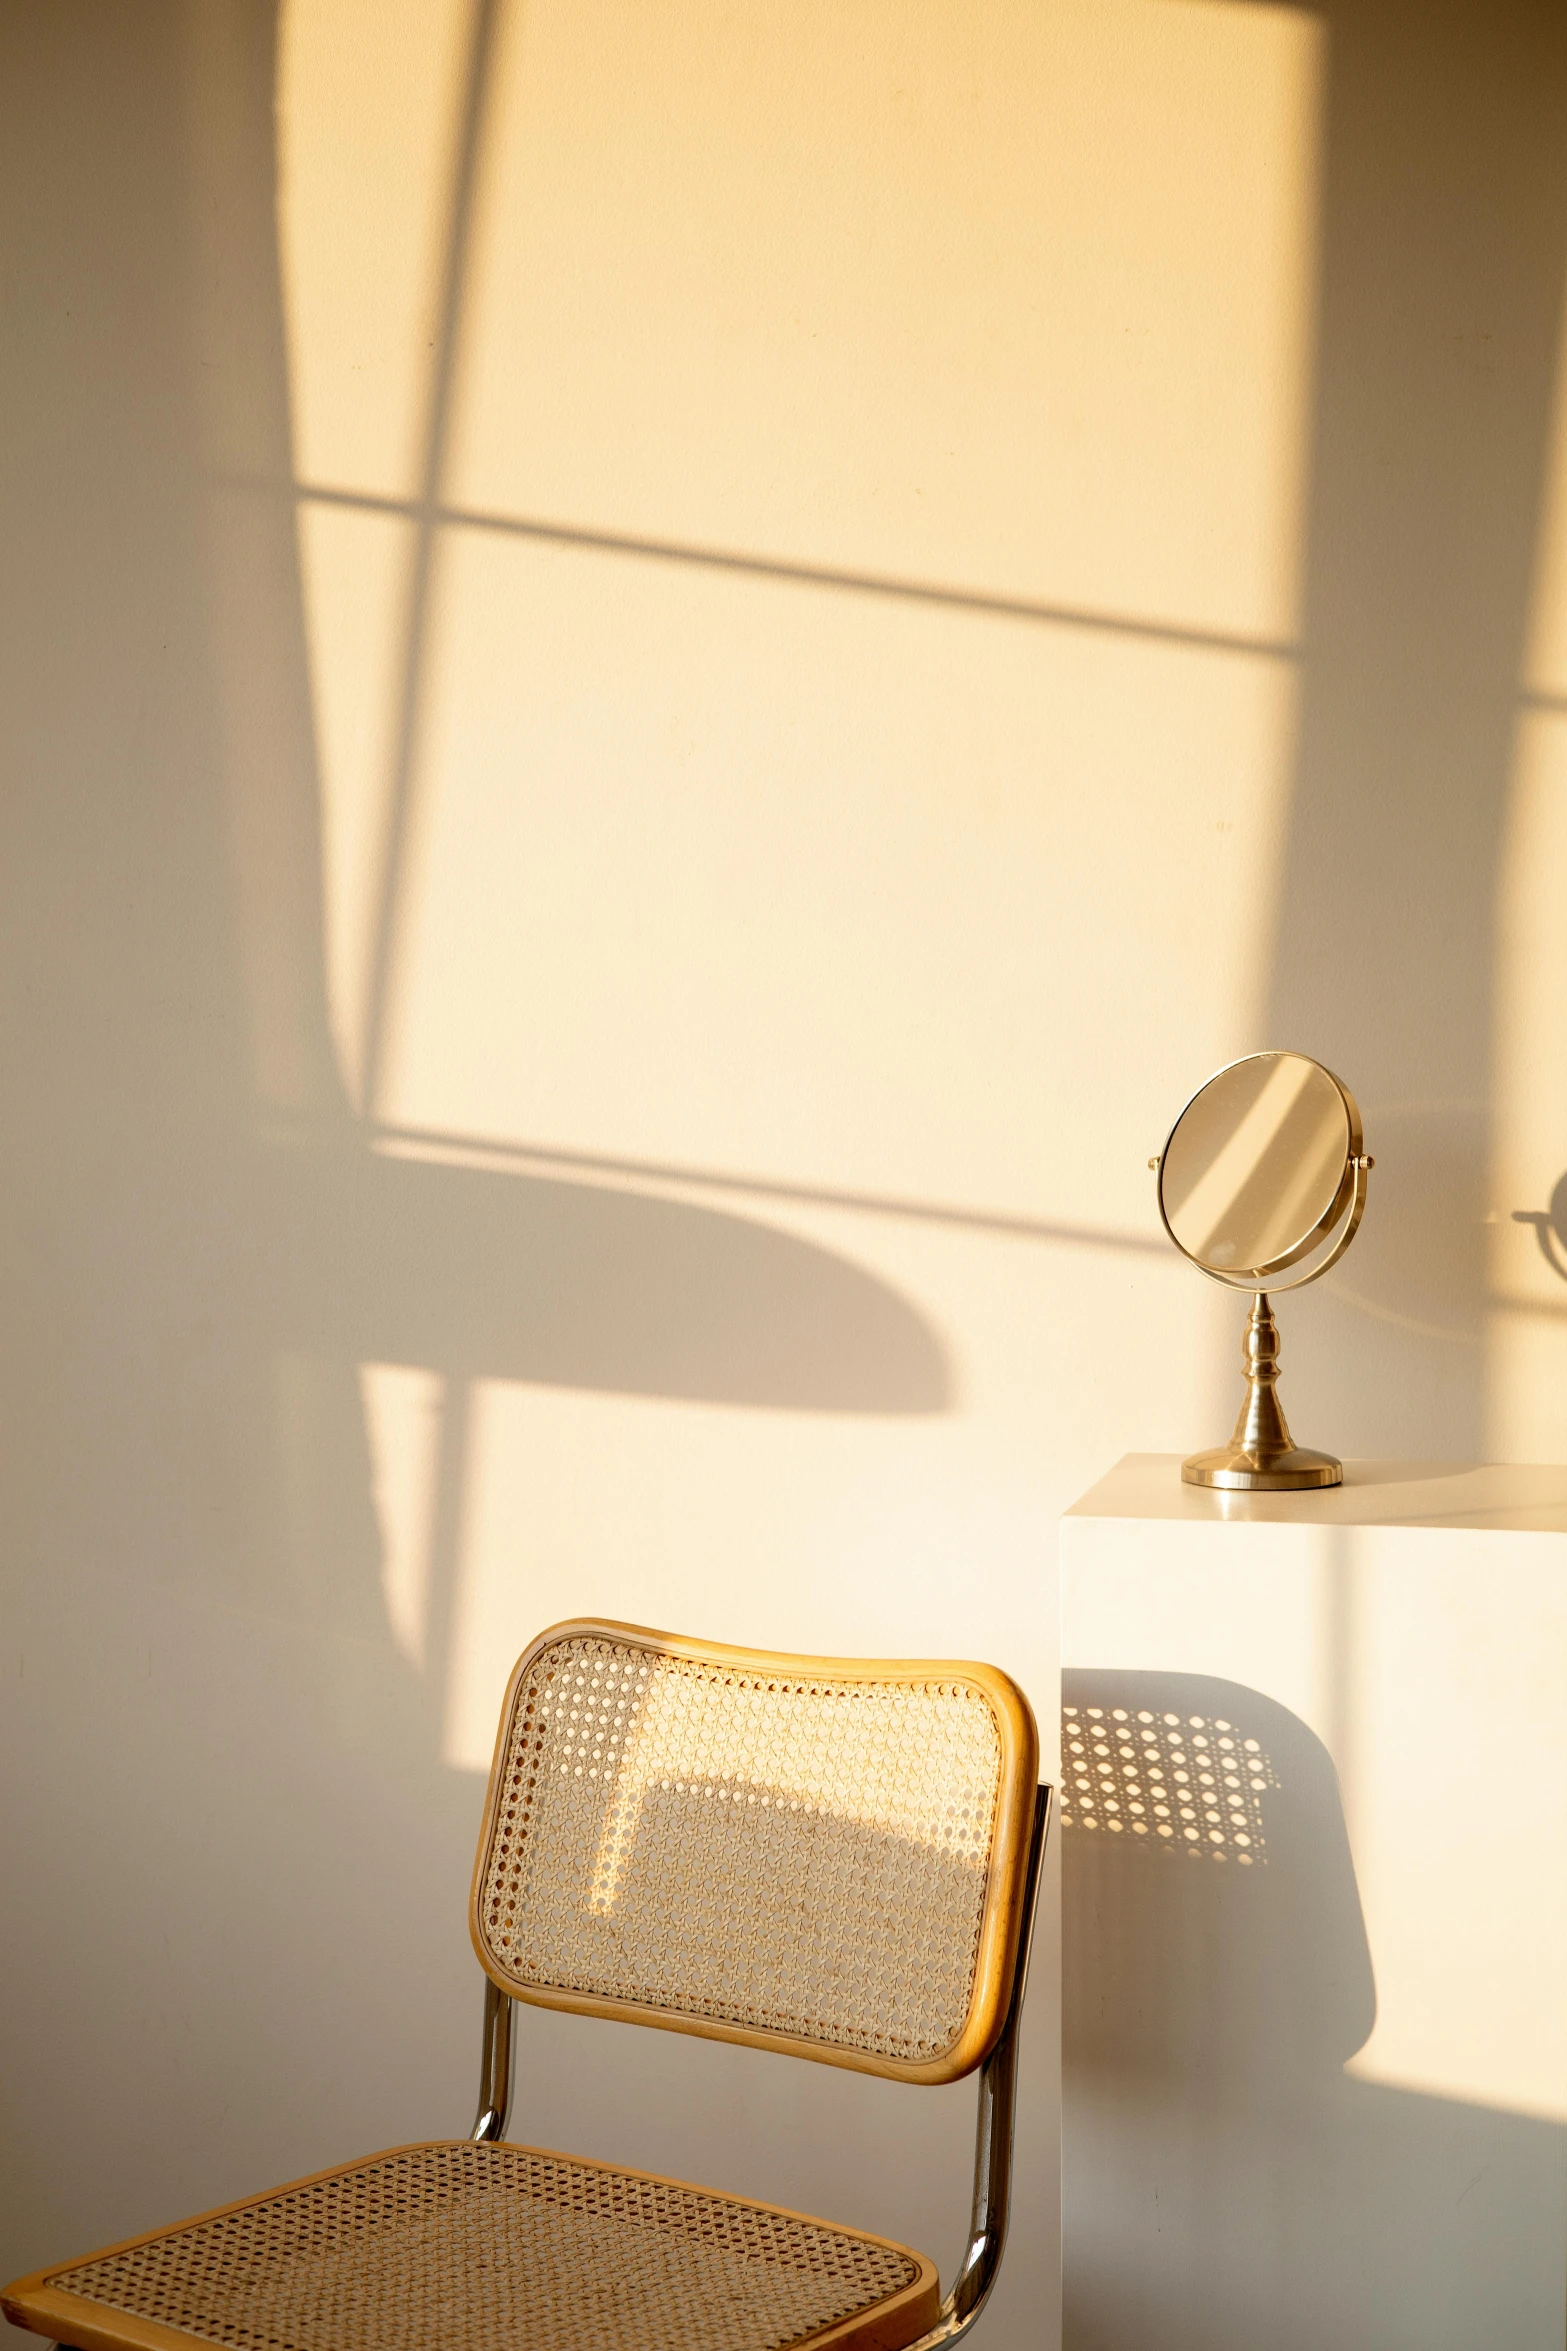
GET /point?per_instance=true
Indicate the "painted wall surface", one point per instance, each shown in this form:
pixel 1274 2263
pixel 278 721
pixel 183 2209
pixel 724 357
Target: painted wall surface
pixel 669 674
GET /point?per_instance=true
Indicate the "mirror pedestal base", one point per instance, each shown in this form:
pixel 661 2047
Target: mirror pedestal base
pixel 1290 1471
pixel 1260 1458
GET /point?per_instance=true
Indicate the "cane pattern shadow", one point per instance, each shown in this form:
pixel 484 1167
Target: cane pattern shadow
pixel 1190 1784
pixel 1239 1969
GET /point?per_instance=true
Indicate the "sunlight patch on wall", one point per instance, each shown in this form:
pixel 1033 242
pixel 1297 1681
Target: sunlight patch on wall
pixel 960 298
pixel 402 1405
pixel 779 881
pixel 367 99
pixel 1009 295
pixel 1457 1802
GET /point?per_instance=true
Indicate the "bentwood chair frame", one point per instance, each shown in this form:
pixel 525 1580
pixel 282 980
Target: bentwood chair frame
pixel 620 1710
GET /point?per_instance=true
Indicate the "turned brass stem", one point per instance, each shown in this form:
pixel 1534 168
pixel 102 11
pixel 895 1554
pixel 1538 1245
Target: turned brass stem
pixel 1261 1428
pixel 1262 1455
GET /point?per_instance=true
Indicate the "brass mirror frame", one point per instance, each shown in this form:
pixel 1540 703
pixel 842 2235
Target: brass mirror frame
pixel 1261 1456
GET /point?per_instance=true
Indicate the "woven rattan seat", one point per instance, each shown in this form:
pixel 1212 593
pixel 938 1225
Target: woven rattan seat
pixel 456 2247
pixel 829 1857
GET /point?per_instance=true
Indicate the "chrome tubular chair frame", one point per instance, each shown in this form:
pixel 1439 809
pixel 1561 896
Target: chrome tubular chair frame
pixel 495 2073
pixel 993 2125
pixel 993 2130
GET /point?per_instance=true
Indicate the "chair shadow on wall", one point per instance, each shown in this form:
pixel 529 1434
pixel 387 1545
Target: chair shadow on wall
pixel 579 1285
pixel 1227 2184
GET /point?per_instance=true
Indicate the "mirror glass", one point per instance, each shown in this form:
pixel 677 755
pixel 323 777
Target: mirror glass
pixel 1257 1164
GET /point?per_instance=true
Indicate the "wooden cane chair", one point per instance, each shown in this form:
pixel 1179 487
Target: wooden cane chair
pixel 835 1859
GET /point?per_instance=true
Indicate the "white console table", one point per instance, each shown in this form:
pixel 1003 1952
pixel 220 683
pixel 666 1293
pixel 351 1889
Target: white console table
pixel 1314 1843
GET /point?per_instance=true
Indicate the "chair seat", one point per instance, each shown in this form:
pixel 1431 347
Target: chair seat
pixel 452 2246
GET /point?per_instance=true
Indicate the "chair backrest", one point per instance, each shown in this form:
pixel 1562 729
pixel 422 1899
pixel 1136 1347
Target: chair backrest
pixel 822 1855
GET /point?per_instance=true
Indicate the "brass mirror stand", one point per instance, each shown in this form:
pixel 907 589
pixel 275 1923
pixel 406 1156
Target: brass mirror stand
pixel 1261 1455
pixel 1263 1171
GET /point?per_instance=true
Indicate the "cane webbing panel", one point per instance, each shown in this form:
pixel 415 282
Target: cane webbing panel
pixel 456 2247
pixel 795 1855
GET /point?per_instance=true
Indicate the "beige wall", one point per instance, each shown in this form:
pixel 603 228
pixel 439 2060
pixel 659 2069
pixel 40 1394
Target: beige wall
pixel 669 674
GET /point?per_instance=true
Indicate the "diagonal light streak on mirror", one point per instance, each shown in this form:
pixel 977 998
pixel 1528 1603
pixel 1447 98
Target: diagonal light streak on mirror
pixel 1205 1209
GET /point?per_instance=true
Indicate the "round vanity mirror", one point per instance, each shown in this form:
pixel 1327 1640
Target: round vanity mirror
pixel 1260 1165
pixel 1264 1170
